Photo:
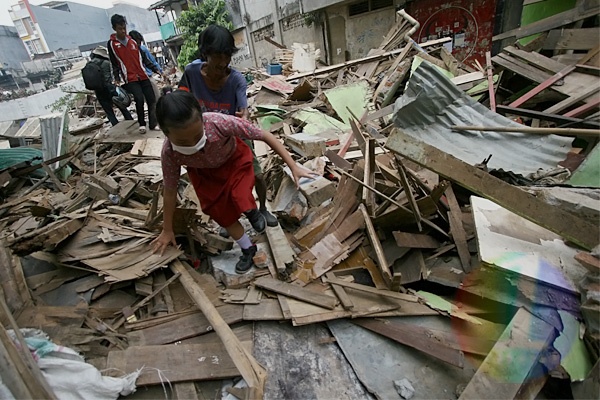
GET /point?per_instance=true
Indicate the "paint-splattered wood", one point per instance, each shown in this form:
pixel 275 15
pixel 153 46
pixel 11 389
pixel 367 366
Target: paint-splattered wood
pixel 516 200
pixel 507 369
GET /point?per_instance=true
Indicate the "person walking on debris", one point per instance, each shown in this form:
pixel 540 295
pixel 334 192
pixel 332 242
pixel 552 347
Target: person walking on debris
pixel 128 66
pixel 139 39
pixel 106 90
pixel 219 165
pixel 220 88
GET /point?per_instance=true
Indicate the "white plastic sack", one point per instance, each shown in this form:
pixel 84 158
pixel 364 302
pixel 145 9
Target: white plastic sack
pixel 305 57
pixel 69 376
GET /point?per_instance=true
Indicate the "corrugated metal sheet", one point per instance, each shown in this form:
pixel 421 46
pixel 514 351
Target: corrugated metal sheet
pixel 53 128
pixel 431 104
pixel 29 129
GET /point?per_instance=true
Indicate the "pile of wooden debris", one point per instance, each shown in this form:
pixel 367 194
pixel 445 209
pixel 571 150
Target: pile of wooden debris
pixel 400 235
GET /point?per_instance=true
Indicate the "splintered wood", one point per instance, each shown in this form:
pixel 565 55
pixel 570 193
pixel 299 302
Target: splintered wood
pixel 382 236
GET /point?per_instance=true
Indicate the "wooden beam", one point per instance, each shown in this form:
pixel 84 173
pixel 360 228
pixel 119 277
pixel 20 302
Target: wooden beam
pixel 368 289
pixel 513 199
pixel 382 262
pixel 415 240
pixel 507 369
pixel 341 293
pixel 569 101
pixel 555 21
pixel 296 292
pixel 369 175
pixel 544 85
pixel 588 261
pixel 572 39
pixel 252 372
pixel 545 116
pixel 594 104
pixel 490 77
pixel 458 231
pixel 409 194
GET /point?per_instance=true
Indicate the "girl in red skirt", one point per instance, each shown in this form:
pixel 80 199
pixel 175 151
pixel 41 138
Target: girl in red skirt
pixel 219 165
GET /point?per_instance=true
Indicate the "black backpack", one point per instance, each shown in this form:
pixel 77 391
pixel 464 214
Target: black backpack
pixel 92 76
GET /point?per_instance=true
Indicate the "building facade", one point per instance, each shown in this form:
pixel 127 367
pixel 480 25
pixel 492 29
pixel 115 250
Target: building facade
pixel 60 26
pixel 349 29
pixel 12 54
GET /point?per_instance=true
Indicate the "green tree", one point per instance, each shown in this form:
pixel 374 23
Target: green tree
pixel 193 21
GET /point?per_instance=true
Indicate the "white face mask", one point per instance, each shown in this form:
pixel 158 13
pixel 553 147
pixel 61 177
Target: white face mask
pixel 189 150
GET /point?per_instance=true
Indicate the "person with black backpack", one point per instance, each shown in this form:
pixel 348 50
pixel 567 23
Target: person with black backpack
pixel 97 76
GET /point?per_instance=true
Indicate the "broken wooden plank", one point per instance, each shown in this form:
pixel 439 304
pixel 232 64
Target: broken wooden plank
pixel 590 262
pixel 296 292
pixel 176 363
pixel 105 182
pixel 129 212
pixel 544 85
pixel 561 19
pixel 374 239
pixel 559 119
pixel 369 175
pixel 284 256
pixel 410 268
pixel 416 337
pixel 508 366
pixel 570 101
pixel 369 289
pixel 516 200
pixel 572 39
pixel 458 231
pixel 415 240
pixel 45 238
pixel 267 310
pixel 411 199
pixel 341 294
pixel 252 372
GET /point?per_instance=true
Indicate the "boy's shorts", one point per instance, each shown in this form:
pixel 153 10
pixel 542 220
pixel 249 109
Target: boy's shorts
pixel 255 163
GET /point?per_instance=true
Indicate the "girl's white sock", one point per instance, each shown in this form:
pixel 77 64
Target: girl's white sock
pixel 244 242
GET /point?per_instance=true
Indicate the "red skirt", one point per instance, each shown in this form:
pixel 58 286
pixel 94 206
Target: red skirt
pixel 226 192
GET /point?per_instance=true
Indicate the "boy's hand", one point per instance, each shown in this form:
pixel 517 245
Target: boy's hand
pixel 299 171
pixel 163 241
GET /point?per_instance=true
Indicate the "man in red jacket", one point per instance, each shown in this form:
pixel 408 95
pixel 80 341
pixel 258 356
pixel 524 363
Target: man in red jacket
pixel 128 67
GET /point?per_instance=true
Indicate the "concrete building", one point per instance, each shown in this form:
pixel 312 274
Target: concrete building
pixel 349 29
pixel 58 26
pixel 12 53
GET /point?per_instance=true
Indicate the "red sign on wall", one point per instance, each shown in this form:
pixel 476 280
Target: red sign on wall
pixel 469 23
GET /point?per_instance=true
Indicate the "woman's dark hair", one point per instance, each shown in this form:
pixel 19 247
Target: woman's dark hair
pixel 176 110
pixel 216 39
pixel 117 19
pixel 135 35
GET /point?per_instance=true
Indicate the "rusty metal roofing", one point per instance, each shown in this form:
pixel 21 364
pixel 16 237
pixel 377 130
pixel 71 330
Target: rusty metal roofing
pixel 431 104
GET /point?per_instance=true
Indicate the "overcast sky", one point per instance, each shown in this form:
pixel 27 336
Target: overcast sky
pixel 5 5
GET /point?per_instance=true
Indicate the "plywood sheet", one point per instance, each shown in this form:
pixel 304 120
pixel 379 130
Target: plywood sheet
pixel 518 246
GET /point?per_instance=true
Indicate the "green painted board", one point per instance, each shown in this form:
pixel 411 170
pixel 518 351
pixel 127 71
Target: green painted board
pixel 574 356
pixel 317 122
pixel 542 9
pixel 588 173
pixel 353 96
